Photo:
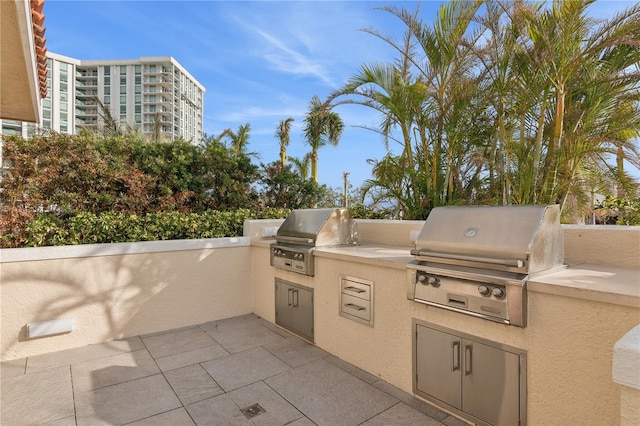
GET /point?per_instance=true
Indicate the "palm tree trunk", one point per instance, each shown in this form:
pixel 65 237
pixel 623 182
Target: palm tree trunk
pixel 314 165
pixel 551 162
pixel 537 149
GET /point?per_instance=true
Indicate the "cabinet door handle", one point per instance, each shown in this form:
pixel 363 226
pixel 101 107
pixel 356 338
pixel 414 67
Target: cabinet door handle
pixel 356 307
pixel 468 360
pixel 295 298
pixel 455 351
pixel 290 297
pixel 356 289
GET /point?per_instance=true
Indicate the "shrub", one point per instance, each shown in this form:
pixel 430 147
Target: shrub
pixel 88 228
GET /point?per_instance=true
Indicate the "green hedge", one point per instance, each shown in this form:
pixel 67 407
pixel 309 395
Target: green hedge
pixel 89 228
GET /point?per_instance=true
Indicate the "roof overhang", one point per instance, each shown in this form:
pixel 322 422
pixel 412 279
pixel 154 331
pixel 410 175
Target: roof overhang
pixel 23 69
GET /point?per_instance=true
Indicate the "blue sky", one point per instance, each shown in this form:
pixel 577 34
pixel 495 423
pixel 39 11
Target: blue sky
pixel 260 61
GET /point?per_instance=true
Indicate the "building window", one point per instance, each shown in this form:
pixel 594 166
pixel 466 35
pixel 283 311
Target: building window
pixel 138 69
pixel 63 87
pixel 123 80
pixel 64 106
pixel 63 97
pixel 64 116
pixel 46 124
pixel 138 89
pixel 138 119
pixel 123 109
pixel 64 77
pixel 123 90
pixel 123 99
pixel 138 79
pixel 46 103
pixel 138 108
pixel 107 90
pixel 152 98
pixel 63 128
pixel 123 70
pixel 46 113
pixel 107 81
pixel 64 66
pixel 138 99
pixel 107 70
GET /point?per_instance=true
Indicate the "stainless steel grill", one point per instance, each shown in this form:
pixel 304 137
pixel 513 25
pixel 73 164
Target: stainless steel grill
pixel 304 230
pixel 477 260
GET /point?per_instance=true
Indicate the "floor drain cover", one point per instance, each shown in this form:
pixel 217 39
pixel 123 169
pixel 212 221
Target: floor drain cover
pixel 252 411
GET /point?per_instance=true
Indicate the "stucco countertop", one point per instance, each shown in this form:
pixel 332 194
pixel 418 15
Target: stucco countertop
pixel 601 283
pixel 373 254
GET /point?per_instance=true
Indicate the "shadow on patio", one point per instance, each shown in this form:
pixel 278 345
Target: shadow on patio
pixel 241 370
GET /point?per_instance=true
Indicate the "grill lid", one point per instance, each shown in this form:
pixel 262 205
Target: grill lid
pixel 317 227
pixel 524 239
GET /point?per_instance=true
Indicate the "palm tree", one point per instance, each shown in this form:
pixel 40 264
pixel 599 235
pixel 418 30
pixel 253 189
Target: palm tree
pixel 426 96
pixel 592 109
pixel 282 133
pixel 110 126
pixel 322 127
pixel 302 165
pixel 239 141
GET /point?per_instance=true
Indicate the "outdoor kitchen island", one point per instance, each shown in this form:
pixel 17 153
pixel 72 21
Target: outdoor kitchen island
pixel 575 316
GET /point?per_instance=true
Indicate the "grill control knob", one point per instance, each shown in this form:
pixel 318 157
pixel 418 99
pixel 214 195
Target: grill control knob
pixel 434 281
pixel 422 279
pixel 484 290
pixel 498 292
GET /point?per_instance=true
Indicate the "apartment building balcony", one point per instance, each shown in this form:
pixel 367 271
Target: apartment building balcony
pixel 86 82
pixel 86 93
pixel 163 81
pixel 86 121
pixel 184 332
pixel 86 74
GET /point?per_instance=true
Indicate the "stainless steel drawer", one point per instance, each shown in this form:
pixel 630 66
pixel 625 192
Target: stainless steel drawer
pixel 356 289
pixel 355 307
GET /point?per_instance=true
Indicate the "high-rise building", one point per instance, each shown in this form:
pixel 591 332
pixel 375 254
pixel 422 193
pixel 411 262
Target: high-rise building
pixel 153 94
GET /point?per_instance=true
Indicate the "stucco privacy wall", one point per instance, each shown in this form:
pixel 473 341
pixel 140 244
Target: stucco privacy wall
pixel 119 290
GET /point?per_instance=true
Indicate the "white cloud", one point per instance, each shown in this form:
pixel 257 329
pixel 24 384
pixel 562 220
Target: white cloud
pixel 285 58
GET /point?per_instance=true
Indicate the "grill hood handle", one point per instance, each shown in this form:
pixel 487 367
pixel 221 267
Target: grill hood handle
pixel 506 262
pixel 289 239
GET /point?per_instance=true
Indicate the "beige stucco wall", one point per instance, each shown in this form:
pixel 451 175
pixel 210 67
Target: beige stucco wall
pixel 602 245
pixel 569 340
pixel 630 406
pixel 115 296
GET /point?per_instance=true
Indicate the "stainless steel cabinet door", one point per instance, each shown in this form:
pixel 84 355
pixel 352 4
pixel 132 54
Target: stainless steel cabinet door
pixel 294 308
pixel 490 383
pixel 438 365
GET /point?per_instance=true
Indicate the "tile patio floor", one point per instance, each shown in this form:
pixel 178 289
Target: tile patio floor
pixel 204 375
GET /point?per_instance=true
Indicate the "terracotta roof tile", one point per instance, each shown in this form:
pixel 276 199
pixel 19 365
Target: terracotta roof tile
pixel 37 18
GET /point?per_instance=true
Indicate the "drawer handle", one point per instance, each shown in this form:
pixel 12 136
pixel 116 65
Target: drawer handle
pixel 356 289
pixel 356 307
